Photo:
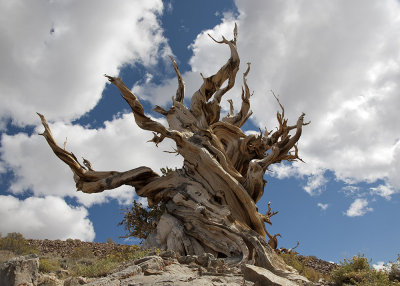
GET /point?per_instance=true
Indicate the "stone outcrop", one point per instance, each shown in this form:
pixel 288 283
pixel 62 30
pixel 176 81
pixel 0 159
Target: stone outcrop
pixel 262 276
pixel 319 265
pixel 171 269
pixel 21 270
pixel 167 268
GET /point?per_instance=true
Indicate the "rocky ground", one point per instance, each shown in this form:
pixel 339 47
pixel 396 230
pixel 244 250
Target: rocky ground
pixel 319 265
pixel 164 269
pixel 100 250
pixel 66 248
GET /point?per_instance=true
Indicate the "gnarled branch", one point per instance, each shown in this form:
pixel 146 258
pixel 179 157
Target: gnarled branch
pixel 244 114
pixel 89 181
pixel 141 119
pixel 180 92
pixel 208 112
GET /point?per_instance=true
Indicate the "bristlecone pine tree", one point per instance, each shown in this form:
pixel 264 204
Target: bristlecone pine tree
pixel 211 200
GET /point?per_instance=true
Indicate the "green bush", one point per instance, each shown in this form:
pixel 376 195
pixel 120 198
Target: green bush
pixel 16 243
pixel 140 221
pixel 357 271
pixel 129 252
pixel 81 252
pixel 48 265
pixel 394 273
pixel 99 268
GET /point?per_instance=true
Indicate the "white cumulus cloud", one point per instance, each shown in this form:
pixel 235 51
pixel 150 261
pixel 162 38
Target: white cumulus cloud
pixel 384 191
pixel 339 62
pixel 44 218
pixel 54 53
pixel 119 146
pixel 323 206
pixel 358 208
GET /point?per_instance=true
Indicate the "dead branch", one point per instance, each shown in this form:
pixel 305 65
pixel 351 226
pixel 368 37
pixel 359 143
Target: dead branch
pixel 180 92
pixel 89 181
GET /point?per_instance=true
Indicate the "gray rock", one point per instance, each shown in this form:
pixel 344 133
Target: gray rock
pixel 187 259
pixel 19 270
pixel 127 272
pixel 48 280
pixel 62 274
pixel 105 281
pixel 216 263
pixel 154 263
pixel 204 259
pixel 74 281
pixel 263 276
pixel 149 272
pixel 143 259
pixel 169 254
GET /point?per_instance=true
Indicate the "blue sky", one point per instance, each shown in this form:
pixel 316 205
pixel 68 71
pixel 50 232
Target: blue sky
pixel 339 62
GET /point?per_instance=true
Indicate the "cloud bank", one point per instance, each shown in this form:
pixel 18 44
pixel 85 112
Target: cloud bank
pixel 44 218
pixel 339 62
pixel 119 146
pixel 54 53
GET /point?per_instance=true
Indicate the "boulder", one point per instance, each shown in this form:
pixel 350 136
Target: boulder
pixel 262 276
pixel 75 281
pixel 46 279
pixel 204 259
pixel 187 259
pixel 169 254
pixel 151 262
pixel 105 281
pixel 20 270
pixel 129 271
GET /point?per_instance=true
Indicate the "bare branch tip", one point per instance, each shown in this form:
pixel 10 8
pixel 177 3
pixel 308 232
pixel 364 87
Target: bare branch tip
pixel 172 60
pixel 213 38
pixel 111 78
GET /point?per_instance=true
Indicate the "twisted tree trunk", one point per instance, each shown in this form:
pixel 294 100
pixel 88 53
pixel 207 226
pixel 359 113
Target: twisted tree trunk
pixel 211 200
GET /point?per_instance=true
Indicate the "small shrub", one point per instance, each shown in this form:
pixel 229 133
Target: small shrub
pixel 6 255
pixel 357 271
pixel 165 171
pixel 16 243
pixel 81 252
pixel 128 252
pixel 110 241
pixel 99 268
pixel 47 265
pixel 140 221
pixel 394 274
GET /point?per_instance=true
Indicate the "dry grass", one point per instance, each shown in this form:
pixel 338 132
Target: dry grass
pixel 81 261
pixel 291 259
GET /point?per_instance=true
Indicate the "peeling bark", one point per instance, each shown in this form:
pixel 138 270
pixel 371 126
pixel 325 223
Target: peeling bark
pixel 211 200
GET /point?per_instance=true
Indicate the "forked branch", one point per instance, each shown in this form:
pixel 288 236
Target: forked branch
pixel 141 119
pixel 180 92
pixel 244 113
pixel 89 181
pixel 208 112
